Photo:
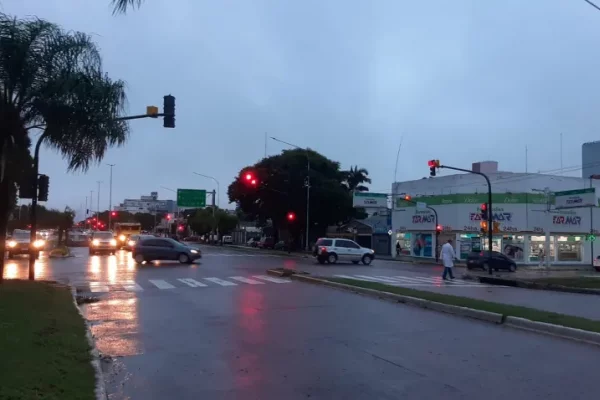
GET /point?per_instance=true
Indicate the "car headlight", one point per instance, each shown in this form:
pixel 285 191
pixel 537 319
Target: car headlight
pixel 122 238
pixel 113 242
pixel 131 243
pixel 372 251
pixel 12 243
pixel 194 251
pixel 38 243
pixel 95 242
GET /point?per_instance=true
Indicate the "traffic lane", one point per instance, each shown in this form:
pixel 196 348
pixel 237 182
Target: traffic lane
pixel 301 341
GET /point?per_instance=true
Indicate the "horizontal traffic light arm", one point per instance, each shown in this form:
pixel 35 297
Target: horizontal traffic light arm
pixel 140 116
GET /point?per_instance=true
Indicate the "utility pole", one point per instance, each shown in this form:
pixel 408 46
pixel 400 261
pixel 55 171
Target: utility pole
pixel 91 205
pixel 110 197
pixel 98 204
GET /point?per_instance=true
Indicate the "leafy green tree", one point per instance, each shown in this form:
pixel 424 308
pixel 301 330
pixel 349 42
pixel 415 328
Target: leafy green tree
pixel 202 222
pixel 146 220
pixel 281 189
pixel 226 222
pixel 52 83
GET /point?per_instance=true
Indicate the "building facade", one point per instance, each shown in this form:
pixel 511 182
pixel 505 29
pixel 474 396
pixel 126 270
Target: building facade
pixel 521 205
pixel 147 204
pixel 590 159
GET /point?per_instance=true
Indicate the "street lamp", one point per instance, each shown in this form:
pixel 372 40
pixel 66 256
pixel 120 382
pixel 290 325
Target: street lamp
pixel 110 198
pixel 307 185
pixel 216 181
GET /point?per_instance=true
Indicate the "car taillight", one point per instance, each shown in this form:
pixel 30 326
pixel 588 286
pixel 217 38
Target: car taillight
pixel 323 249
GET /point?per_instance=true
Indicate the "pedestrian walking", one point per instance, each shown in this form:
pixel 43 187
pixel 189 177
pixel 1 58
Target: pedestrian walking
pixel 448 257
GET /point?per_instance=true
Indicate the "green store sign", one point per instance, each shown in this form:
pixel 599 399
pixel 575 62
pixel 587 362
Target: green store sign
pixel 478 198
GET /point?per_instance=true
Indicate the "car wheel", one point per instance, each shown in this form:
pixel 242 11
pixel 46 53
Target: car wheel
pixel 184 258
pixel 512 267
pixel 139 258
pixel 332 258
pixel 367 259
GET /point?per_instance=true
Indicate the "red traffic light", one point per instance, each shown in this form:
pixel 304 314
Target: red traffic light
pixel 438 228
pixel 180 228
pixel 483 207
pixel 407 198
pixel 291 216
pixel 433 163
pixel 168 217
pixel 250 179
pixel 113 213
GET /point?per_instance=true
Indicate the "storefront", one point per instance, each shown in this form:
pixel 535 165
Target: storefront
pixel 524 227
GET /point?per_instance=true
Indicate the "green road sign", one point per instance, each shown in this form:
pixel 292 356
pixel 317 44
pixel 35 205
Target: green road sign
pixel 591 237
pixel 191 198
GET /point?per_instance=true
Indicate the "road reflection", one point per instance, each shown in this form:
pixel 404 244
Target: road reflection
pixel 19 269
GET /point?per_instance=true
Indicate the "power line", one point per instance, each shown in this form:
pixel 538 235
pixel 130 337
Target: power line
pixel 592 4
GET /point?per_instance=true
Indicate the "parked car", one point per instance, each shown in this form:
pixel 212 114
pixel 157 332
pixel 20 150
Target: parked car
pixel 164 249
pixel 281 245
pixel 102 242
pixel 497 261
pixel 266 243
pixel 227 240
pixel 332 250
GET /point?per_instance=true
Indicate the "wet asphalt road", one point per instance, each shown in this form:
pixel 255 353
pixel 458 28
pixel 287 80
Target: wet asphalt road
pixel 221 330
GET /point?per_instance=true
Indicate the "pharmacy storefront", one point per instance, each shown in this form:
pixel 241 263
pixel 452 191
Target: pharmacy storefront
pixel 524 227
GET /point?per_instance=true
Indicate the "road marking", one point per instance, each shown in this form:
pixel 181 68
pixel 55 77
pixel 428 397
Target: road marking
pixel 131 286
pixel 271 279
pixel 191 282
pixel 97 287
pixel 386 280
pixel 246 280
pixel 159 283
pixel 220 282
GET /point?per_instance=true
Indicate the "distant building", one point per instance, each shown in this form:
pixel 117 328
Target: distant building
pixel 590 159
pixel 147 204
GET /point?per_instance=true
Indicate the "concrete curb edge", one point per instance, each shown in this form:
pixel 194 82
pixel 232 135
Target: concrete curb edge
pixel 518 283
pixel 100 390
pixel 513 322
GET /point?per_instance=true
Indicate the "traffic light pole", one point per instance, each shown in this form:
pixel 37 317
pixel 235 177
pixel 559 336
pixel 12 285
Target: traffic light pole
pixel 490 214
pixel 33 209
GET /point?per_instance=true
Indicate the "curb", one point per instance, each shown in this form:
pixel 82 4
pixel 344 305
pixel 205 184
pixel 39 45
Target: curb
pixel 513 322
pixel 554 330
pixel 100 390
pixel 446 308
pixel 518 283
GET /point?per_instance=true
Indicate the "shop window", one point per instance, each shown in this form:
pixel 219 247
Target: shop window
pixel 513 246
pixel 570 248
pixel 404 240
pixel 496 243
pixel 537 248
pixel 422 246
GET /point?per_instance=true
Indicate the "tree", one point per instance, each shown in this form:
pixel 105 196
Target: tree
pixel 52 82
pixel 121 6
pixel 202 222
pixel 281 189
pixel 226 222
pixel 354 179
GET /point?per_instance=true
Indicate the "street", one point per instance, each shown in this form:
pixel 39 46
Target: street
pixel 223 329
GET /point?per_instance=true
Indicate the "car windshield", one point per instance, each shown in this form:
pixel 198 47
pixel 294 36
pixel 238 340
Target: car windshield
pixel 103 235
pixel 20 235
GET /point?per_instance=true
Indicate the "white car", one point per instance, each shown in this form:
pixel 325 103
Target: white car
pixel 332 250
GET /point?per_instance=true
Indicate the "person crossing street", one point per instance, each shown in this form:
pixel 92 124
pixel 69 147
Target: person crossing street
pixel 448 257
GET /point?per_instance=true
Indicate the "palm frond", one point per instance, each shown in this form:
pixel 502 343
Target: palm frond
pixel 121 6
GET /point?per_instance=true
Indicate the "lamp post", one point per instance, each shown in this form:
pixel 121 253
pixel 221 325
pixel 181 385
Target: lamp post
pixel 98 203
pixel 110 197
pixel 307 186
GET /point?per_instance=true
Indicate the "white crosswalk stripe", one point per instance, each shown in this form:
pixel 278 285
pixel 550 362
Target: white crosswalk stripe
pixel 131 286
pixel 220 282
pixel 98 287
pixel 271 279
pixel 400 280
pixel 246 280
pixel 161 284
pixel 191 282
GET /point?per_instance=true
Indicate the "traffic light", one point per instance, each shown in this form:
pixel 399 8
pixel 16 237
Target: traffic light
pixel 43 187
pixel 484 212
pixel 250 179
pixel 113 214
pixel 438 229
pixel 407 198
pixel 26 187
pixel 168 217
pixel 152 111
pixel 169 111
pixel 180 228
pixel 433 164
pixel 291 216
pixel 484 226
pixel 496 227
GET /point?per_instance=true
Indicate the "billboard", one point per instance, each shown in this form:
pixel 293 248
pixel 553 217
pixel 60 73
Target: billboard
pixel 369 200
pixel 576 198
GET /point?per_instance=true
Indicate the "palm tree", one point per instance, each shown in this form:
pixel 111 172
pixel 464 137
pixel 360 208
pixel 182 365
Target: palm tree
pixel 121 6
pixel 354 179
pixel 52 84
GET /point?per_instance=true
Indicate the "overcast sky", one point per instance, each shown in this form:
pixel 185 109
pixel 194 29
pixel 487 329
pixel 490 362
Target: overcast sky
pixel 461 80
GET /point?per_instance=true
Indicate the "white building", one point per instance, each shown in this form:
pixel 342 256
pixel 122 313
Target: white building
pixel 590 159
pixel 519 205
pixel 147 204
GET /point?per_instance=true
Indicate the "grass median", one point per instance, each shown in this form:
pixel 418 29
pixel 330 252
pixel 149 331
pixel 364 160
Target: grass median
pixel 575 282
pixel 504 309
pixel 43 345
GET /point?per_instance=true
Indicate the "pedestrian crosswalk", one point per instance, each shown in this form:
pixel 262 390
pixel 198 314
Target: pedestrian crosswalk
pixel 163 284
pixel 415 281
